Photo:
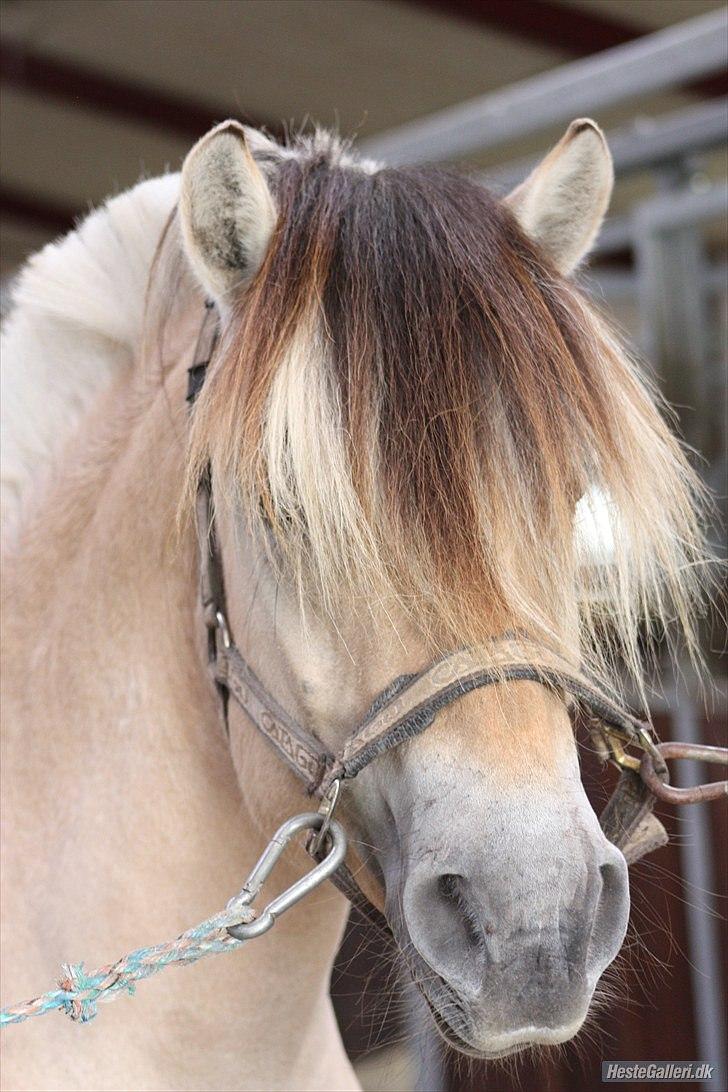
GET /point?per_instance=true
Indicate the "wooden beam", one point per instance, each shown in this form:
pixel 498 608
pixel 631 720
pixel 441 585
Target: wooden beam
pixel 575 31
pixel 42 212
pixel 24 68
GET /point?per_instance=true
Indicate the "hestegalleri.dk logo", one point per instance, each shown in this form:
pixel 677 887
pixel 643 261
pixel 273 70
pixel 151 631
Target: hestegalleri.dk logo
pixel 656 1071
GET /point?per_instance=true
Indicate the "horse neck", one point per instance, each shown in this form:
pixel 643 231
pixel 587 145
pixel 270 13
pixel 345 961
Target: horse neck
pixel 134 827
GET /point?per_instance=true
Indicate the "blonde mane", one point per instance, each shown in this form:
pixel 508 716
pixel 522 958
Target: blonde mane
pixel 413 401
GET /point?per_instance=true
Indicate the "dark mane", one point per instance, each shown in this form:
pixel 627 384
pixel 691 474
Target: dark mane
pixel 464 396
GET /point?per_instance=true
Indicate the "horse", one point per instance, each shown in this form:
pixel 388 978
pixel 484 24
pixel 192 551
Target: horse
pixel 420 436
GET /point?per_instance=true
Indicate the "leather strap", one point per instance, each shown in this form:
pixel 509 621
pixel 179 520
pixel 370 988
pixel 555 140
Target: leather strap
pixel 298 748
pixel 404 715
pixel 628 821
pixel 415 706
pixel 347 885
pixel 204 349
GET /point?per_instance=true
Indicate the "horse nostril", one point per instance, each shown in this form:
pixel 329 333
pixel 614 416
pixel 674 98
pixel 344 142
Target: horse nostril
pixel 447 885
pixel 610 915
pixel 452 890
pixel 611 876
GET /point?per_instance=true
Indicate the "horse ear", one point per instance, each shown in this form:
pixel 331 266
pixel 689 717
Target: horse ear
pixel 226 210
pixel 562 203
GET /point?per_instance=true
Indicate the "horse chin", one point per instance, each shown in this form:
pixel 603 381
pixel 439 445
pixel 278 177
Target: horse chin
pixel 455 1039
pixel 456 1028
pixel 452 1037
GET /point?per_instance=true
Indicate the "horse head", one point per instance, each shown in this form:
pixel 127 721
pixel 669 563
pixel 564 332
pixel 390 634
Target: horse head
pixel 409 408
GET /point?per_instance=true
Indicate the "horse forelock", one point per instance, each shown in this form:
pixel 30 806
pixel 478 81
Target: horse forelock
pixel 414 400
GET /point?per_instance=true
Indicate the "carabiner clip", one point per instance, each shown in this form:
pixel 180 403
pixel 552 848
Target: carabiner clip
pixel 293 894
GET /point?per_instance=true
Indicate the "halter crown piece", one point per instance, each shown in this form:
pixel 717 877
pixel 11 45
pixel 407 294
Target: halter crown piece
pixel 410 704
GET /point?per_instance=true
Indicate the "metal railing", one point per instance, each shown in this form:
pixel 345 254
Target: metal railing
pixel 652 63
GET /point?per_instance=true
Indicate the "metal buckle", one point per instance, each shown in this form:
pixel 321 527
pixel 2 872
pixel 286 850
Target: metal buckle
pixel 617 740
pixel 620 757
pixel 293 894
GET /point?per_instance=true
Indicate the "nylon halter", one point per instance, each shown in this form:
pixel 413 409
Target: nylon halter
pixel 410 704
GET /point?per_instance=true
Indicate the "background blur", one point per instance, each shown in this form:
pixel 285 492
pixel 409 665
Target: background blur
pixel 98 93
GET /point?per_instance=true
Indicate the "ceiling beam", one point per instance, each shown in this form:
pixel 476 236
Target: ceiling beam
pixel 578 32
pixel 42 212
pixel 67 81
pixel 652 63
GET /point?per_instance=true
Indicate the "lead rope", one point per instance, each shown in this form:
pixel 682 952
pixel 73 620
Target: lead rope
pixel 78 992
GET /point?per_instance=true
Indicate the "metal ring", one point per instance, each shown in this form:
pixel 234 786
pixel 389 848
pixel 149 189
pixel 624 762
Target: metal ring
pixel 329 802
pixel 222 626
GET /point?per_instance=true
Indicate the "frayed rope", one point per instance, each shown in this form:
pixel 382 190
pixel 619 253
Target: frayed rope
pixel 79 992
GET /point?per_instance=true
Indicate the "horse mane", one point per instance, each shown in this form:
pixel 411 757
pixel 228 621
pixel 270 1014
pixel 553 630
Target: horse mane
pixel 75 325
pixel 412 400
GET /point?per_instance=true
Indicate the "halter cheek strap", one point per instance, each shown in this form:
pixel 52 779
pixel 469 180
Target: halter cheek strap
pixel 411 704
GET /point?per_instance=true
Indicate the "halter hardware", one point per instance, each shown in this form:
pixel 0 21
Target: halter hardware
pixel 222 627
pixel 326 867
pixel 329 802
pixel 616 741
pixel 712 790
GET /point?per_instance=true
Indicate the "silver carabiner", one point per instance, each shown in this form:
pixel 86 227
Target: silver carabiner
pixel 293 894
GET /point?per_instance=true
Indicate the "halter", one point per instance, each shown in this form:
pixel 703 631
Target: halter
pixel 405 708
pixel 410 704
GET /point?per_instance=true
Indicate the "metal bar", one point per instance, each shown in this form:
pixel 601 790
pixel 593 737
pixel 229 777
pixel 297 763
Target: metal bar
pixel 666 211
pixel 667 58
pixel 670 263
pixel 701 913
pixel 669 211
pixel 692 794
pixel 621 284
pixel 616 234
pixel 646 143
pixel 575 31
